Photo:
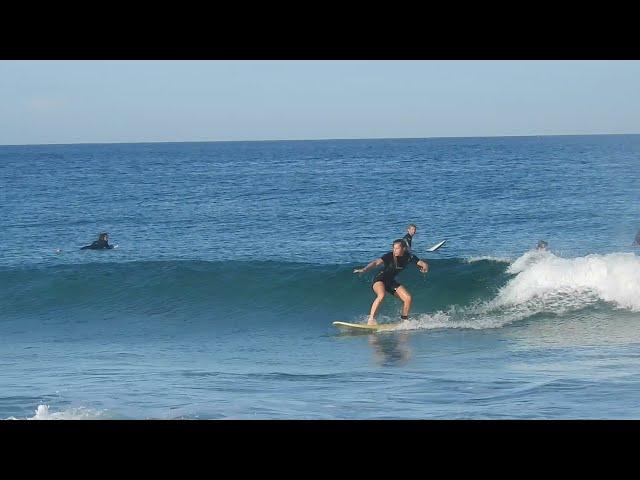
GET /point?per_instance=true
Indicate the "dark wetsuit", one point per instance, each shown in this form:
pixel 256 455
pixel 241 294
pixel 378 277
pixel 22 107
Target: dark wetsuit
pixel 98 245
pixel 407 241
pixel 391 269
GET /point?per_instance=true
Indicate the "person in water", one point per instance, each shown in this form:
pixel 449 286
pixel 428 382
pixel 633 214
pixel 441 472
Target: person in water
pixel 636 242
pixel 542 245
pixel 394 262
pixel 100 244
pixel 411 231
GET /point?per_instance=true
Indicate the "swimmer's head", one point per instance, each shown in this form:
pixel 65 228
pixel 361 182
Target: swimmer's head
pixel 104 236
pixel 542 245
pixel 398 248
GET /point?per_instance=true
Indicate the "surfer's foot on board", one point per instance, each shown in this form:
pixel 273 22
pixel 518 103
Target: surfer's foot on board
pixel 372 321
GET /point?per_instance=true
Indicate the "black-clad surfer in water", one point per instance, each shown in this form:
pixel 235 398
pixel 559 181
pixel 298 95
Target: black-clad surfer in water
pixel 411 231
pixel 101 244
pixel 394 262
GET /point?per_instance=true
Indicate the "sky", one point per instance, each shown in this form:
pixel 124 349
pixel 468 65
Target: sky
pixel 61 102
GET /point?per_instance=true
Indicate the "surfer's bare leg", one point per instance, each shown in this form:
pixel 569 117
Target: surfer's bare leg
pixel 378 288
pixel 404 295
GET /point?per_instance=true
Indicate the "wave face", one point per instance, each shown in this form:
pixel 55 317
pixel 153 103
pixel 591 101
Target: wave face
pixel 483 293
pixel 193 286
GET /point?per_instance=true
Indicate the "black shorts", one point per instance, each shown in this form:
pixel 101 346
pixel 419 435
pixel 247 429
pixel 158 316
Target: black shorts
pixel 390 284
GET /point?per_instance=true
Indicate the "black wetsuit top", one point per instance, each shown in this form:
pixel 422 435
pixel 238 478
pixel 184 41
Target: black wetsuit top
pixel 98 245
pixel 407 241
pixel 391 269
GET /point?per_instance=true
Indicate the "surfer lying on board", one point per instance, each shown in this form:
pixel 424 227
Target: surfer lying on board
pixel 101 243
pixel 394 262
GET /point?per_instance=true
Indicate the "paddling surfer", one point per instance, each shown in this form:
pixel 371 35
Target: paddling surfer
pixel 101 244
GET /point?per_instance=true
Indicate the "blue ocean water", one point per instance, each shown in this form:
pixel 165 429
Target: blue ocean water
pixel 234 258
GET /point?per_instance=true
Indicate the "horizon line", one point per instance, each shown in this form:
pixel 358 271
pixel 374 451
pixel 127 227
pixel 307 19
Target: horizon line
pixel 314 139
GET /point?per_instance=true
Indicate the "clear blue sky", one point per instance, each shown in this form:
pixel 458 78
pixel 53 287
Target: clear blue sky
pixel 159 101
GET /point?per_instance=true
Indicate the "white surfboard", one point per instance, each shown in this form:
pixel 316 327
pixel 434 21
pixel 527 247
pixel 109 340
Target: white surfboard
pixel 363 327
pixel 436 246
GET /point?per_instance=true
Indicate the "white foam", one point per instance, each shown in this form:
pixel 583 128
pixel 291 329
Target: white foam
pixel 545 283
pixel 81 413
pixel 425 321
pixel 566 284
pixel 450 319
pixel 488 258
pixel 462 318
pixel 529 258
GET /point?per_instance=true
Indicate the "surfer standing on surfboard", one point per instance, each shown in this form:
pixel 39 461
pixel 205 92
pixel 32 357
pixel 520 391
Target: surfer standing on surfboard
pixel 394 262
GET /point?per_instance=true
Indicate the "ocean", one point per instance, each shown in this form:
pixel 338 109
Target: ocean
pixel 234 258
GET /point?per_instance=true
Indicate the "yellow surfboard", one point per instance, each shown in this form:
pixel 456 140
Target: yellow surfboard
pixel 363 327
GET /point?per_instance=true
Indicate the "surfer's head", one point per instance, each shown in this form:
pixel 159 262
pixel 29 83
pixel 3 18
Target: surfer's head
pixel 542 245
pixel 398 248
pixel 104 236
pixel 411 229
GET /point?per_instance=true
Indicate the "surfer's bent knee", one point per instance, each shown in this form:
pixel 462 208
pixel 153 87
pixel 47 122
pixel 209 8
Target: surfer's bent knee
pixel 380 294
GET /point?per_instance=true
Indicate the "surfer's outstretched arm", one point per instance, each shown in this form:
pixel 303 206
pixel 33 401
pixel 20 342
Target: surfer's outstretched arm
pixel 374 264
pixel 423 266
